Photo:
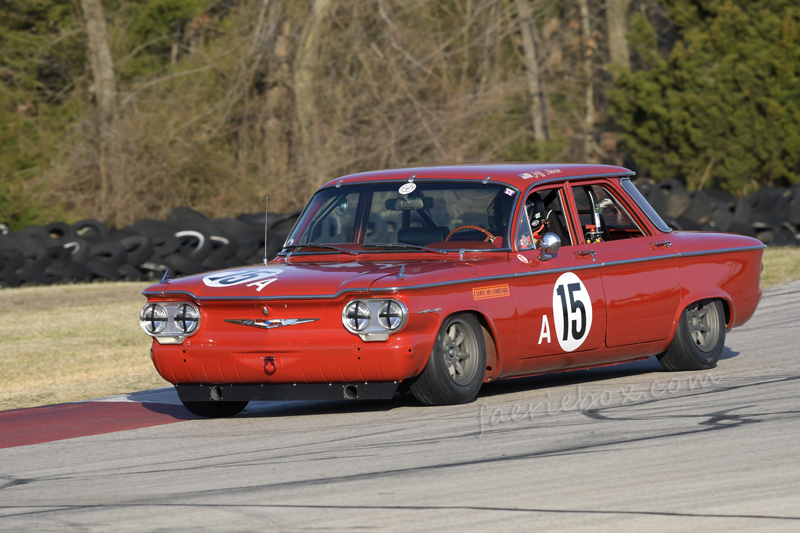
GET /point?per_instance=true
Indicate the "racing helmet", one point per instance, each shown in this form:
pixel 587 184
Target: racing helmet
pixel 536 213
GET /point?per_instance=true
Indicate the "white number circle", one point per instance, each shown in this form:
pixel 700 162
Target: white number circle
pixel 572 312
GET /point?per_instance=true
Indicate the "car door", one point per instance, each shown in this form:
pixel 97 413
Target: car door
pixel 639 272
pixel 560 300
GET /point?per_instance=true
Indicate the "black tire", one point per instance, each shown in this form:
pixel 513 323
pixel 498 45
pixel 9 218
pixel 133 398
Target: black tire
pixel 88 227
pixel 58 273
pixel 79 271
pixel 37 233
pixel 59 229
pixel 214 262
pixel 103 270
pixel 14 259
pixel 181 265
pixel 182 214
pixel 223 247
pixel 699 338
pixel 36 255
pixel 212 409
pixel 152 227
pixel 33 275
pixel 165 244
pixel 195 244
pixel 138 247
pixel 131 273
pixel 455 369
pixel 9 278
pixel 79 249
pixel 111 253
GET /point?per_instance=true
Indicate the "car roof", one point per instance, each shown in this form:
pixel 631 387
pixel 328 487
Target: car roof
pixel 520 175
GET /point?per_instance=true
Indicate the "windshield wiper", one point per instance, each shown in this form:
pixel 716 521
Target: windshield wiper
pixel 402 245
pixel 318 245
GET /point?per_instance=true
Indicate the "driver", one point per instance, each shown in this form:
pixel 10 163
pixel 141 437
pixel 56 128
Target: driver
pixel 537 216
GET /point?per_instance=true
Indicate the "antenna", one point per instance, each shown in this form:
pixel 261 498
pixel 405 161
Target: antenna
pixel 266 230
pixel 266 227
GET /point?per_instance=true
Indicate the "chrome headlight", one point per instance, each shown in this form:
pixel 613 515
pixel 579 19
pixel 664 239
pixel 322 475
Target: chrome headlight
pixel 170 322
pixel 153 319
pixel 186 318
pixel 391 315
pixel 356 316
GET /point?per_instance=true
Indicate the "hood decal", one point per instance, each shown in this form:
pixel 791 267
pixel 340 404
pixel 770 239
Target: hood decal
pixel 229 278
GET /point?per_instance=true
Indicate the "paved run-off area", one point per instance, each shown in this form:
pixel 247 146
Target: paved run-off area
pixel 619 448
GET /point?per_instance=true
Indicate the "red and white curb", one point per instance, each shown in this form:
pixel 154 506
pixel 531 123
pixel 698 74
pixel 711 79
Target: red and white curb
pixel 35 425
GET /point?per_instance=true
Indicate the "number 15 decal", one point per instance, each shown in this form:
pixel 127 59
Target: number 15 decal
pixel 572 312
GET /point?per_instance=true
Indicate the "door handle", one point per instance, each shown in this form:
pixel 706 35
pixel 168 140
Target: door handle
pixel 585 253
pixel 660 245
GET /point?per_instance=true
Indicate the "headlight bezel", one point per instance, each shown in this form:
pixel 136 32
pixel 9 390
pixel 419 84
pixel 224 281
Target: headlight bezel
pixel 346 316
pixel 181 318
pixel 376 329
pixel 174 329
pixel 388 317
pixel 144 320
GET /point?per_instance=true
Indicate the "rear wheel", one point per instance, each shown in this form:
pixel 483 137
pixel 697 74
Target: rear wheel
pixel 699 338
pixel 455 369
pixel 215 409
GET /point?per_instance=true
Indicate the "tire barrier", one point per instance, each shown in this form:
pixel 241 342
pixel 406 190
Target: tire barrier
pixel 771 214
pixel 186 242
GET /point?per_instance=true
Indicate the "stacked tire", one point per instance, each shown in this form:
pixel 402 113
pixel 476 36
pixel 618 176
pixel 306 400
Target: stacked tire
pixel 186 243
pixel 771 214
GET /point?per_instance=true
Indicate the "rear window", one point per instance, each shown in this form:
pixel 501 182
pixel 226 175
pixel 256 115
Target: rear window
pixel 648 210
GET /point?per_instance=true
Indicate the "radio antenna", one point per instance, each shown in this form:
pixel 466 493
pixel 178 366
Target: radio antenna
pixel 266 231
pixel 266 228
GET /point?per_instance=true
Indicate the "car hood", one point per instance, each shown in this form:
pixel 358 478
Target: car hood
pixel 316 280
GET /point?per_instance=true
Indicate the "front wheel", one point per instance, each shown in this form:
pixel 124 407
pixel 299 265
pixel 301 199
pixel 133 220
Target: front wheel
pixel 699 338
pixel 455 369
pixel 212 409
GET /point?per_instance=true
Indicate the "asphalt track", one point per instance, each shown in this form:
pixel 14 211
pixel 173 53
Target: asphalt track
pixel 620 448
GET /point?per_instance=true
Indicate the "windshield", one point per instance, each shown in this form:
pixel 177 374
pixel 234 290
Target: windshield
pixel 433 214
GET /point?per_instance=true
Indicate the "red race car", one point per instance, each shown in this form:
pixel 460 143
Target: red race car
pixel 440 279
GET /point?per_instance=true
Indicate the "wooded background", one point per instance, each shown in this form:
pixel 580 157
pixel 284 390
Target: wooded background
pixel 124 109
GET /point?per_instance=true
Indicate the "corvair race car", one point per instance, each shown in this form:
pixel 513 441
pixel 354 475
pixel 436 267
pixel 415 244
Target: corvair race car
pixel 436 280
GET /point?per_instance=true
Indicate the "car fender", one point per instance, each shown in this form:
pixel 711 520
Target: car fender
pixel 491 335
pixel 711 293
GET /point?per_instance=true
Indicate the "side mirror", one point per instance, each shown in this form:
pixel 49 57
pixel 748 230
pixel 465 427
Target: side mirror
pixel 549 244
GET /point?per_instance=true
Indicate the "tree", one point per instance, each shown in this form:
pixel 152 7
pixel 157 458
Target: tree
pixel 41 64
pixel 527 26
pixel 105 87
pixel 617 23
pixel 305 70
pixel 589 110
pixel 724 107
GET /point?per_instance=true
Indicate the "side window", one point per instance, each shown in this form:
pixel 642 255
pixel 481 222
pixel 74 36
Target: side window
pixel 543 212
pixel 602 216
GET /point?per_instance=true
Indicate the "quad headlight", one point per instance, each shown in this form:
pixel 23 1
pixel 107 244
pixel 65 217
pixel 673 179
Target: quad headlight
pixel 186 318
pixel 153 319
pixel 374 320
pixel 391 315
pixel 169 322
pixel 356 316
